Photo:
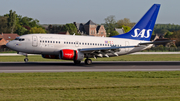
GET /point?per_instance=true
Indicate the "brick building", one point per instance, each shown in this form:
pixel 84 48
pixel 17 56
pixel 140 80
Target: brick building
pixel 64 32
pixel 90 28
pixel 5 38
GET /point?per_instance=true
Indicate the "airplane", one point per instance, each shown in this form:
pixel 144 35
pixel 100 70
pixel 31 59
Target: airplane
pixel 76 48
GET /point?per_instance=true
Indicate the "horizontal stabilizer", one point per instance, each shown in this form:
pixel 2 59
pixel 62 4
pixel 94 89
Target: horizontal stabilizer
pixel 156 42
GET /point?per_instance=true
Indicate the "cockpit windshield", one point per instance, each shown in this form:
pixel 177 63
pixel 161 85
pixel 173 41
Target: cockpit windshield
pixel 19 39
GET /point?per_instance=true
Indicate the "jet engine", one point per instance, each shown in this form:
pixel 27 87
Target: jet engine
pixel 66 54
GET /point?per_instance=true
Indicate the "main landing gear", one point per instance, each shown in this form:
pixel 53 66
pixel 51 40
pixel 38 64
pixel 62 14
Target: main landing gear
pixel 88 61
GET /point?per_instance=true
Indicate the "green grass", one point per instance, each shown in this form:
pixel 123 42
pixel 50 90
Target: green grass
pixel 150 57
pixel 98 86
pixel 8 52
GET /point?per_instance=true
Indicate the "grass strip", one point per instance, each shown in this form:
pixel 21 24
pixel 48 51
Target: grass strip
pixel 116 86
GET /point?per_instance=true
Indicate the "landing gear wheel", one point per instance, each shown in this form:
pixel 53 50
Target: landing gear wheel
pixel 77 62
pixel 88 61
pixel 26 60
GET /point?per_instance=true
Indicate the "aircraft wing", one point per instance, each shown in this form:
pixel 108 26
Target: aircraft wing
pixel 104 49
pixel 114 49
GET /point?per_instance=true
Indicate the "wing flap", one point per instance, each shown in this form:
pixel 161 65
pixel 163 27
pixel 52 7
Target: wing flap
pixel 84 50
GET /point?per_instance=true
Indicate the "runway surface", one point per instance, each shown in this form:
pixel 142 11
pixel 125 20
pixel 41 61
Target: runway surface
pixel 19 67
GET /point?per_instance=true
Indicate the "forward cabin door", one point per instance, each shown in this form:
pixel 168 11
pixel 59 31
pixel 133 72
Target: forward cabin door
pixel 34 41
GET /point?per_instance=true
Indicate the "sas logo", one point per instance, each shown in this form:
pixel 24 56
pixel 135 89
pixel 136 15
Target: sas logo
pixel 143 34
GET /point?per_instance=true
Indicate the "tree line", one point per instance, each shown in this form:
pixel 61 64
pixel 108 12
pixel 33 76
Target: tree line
pixel 71 28
pixel 13 23
pixel 110 25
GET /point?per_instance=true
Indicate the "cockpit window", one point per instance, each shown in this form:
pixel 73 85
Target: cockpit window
pixel 17 38
pixel 21 39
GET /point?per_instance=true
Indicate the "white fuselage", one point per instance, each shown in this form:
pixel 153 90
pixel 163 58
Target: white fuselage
pixel 52 43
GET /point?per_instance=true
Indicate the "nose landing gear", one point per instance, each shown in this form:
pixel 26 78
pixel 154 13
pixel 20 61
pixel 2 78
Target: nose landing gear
pixel 26 59
pixel 25 54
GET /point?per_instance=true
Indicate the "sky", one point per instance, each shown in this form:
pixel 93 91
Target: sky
pixel 81 11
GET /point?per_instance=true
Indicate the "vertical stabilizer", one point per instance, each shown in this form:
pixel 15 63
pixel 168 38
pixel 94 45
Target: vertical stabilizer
pixel 144 28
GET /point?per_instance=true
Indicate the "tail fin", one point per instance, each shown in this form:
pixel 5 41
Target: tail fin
pixel 144 28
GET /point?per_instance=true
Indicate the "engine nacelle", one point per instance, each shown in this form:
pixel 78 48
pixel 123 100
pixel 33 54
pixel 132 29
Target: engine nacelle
pixel 68 54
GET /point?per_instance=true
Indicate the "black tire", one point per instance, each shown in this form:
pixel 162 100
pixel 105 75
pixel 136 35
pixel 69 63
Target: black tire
pixel 26 60
pixel 88 61
pixel 77 62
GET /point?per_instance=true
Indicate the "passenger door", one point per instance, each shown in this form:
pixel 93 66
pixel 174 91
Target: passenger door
pixel 34 41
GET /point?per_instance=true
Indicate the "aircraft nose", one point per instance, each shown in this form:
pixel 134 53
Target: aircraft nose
pixel 9 45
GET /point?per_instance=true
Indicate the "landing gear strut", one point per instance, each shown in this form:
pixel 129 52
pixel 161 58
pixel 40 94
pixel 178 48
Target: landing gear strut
pixel 88 61
pixel 26 59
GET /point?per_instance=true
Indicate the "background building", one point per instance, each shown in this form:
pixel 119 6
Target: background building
pixel 5 38
pixel 90 28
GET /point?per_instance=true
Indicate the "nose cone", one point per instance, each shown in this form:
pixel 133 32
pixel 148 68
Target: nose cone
pixel 9 45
